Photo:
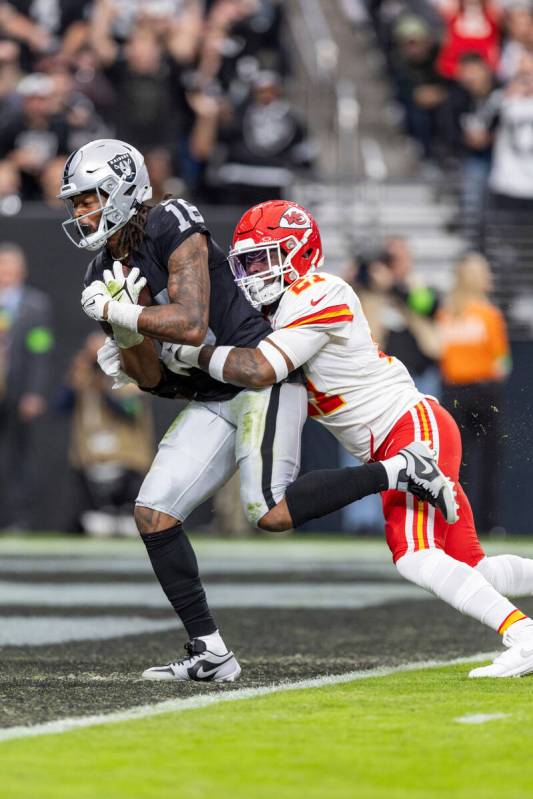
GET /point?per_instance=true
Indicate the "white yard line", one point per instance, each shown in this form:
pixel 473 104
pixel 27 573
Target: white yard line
pixel 482 718
pixel 262 564
pixel 221 595
pixel 205 700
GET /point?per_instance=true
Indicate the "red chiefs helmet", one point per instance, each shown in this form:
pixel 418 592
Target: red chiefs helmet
pixel 274 244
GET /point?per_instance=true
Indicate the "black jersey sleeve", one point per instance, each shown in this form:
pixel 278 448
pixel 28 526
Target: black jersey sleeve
pixel 94 271
pixel 171 223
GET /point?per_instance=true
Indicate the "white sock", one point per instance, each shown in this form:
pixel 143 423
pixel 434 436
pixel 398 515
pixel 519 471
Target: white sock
pixel 509 574
pixel 393 467
pixel 458 584
pixel 214 643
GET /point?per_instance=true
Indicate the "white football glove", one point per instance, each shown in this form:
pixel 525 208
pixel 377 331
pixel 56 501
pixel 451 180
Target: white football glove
pixel 108 357
pixel 121 287
pixel 189 355
pixel 171 357
pixel 124 288
pixel 94 299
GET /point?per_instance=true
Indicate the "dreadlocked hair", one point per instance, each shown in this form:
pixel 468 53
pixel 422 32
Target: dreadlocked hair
pixel 133 233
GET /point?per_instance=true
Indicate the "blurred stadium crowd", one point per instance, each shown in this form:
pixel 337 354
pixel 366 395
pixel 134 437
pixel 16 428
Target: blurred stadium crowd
pixel 196 85
pixel 462 72
pixel 199 86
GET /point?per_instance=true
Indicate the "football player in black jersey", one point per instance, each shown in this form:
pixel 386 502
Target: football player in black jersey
pixel 195 300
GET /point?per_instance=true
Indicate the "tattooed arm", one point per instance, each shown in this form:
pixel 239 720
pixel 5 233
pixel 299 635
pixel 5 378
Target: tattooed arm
pixel 245 367
pixel 185 319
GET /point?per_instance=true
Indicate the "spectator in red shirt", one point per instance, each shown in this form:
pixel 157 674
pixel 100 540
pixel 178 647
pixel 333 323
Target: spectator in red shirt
pixel 471 26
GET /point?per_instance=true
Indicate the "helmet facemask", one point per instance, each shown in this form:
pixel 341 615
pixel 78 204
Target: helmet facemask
pixel 266 286
pixel 111 217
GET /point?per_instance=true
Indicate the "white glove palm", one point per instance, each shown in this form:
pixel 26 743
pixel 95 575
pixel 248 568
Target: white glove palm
pixel 108 357
pixel 121 287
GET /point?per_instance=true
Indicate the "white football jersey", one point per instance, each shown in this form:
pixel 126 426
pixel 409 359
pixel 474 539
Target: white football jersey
pixel 357 392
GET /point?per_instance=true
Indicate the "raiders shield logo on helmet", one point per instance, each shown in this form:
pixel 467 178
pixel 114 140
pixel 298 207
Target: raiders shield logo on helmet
pixel 123 165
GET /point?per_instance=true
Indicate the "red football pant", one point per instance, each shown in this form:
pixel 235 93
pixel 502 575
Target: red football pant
pixel 410 524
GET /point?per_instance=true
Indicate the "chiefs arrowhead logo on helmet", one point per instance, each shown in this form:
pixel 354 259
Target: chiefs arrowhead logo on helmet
pixel 274 244
pixel 295 217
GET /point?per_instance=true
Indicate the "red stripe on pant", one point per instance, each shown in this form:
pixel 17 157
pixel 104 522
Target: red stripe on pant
pixel 402 524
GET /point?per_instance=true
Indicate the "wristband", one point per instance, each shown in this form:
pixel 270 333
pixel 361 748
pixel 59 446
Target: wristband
pixel 124 315
pixel 275 359
pixel 216 364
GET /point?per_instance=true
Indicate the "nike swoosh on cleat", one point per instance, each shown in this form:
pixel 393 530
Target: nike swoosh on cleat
pixel 526 653
pixel 428 465
pixel 201 674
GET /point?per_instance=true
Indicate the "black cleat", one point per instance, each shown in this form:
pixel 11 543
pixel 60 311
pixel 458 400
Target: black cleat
pixel 423 478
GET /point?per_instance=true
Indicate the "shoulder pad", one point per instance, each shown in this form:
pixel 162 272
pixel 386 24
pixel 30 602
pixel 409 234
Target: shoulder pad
pixel 176 211
pixel 320 299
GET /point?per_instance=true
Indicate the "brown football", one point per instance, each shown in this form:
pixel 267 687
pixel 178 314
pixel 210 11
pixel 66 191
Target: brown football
pixel 145 297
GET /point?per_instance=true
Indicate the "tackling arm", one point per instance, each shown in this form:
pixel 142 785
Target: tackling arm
pixel 244 367
pixel 276 356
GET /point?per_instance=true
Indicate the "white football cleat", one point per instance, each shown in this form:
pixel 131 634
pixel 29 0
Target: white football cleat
pixel 516 661
pixel 201 665
pixel 423 478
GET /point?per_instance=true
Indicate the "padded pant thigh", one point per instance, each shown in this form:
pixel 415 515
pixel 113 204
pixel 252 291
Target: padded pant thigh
pixel 195 457
pixel 268 446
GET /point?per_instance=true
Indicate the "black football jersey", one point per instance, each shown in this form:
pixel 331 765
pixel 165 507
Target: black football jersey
pixel 232 320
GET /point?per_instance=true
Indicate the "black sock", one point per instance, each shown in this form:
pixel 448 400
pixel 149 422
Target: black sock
pixel 175 566
pixel 317 493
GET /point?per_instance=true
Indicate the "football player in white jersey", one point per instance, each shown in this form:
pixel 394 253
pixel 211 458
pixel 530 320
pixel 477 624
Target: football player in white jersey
pixel 371 405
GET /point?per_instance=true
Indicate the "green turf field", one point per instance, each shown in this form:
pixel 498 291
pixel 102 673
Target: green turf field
pixel 81 619
pixel 379 738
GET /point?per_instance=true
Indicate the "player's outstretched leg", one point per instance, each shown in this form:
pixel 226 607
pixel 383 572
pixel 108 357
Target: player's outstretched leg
pixel 511 575
pixel 413 470
pixel 465 589
pixel 175 566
